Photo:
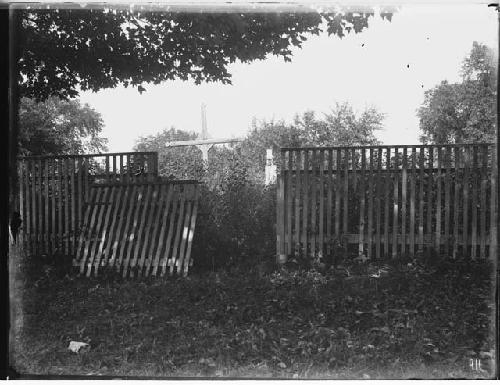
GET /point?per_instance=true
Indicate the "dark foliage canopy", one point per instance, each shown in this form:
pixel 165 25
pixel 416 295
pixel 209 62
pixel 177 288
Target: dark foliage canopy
pixel 62 51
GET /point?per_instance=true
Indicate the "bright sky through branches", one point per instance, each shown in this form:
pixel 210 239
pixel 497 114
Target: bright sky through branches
pixel 388 66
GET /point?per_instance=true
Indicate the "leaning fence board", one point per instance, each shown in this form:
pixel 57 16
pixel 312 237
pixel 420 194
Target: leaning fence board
pixel 408 198
pixel 178 231
pixel 140 250
pixel 159 228
pixel 171 227
pixel 150 219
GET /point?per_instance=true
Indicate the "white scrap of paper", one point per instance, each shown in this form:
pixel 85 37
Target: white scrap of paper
pixel 75 346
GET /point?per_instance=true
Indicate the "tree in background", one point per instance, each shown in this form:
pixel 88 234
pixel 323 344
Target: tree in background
pixel 463 112
pixel 339 127
pixel 55 127
pixel 175 162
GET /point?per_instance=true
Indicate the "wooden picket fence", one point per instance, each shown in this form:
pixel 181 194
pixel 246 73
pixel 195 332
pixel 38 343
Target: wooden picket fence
pixel 55 189
pixel 388 201
pixel 139 228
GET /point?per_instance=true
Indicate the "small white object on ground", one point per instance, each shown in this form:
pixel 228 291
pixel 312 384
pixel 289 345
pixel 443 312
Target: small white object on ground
pixel 75 346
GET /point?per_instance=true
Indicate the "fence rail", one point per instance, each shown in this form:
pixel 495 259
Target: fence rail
pixel 387 201
pixel 54 191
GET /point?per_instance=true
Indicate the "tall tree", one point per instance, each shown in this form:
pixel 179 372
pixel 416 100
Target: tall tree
pixel 64 50
pixel 463 112
pixel 56 126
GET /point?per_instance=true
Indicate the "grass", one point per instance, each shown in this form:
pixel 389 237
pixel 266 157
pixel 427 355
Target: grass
pixel 401 321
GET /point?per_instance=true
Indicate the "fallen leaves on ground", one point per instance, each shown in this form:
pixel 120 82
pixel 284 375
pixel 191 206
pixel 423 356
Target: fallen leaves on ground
pixel 412 321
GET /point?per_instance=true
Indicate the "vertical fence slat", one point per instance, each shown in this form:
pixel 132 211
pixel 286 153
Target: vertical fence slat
pixel 484 181
pixel 298 178
pixel 338 180
pixel 447 181
pixel 430 190
pixel 39 208
pixel 305 213
pixel 314 207
pixel 67 198
pixel 329 203
pixel 395 226
pixel 60 231
pixel 369 233
pixel 421 200
pixel 493 206
pixel 33 226
pixel 475 173
pixel 378 204
pixel 404 191
pixel 22 205
pixel 438 200
pixel 47 201
pixel 321 229
pixel 345 229
pixel 280 212
pixel 361 245
pixel 289 198
pixel 456 200
pixel 73 207
pixel 412 200
pixel 386 199
pixel 465 230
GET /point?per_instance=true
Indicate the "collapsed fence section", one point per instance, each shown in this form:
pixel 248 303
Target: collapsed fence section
pixel 388 201
pixel 53 192
pixel 139 228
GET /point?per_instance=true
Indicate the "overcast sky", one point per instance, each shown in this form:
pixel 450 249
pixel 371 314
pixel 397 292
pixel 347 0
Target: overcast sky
pixel 388 66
